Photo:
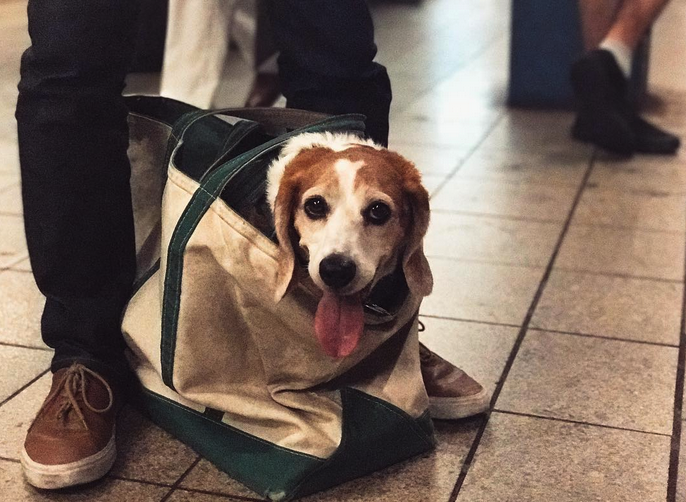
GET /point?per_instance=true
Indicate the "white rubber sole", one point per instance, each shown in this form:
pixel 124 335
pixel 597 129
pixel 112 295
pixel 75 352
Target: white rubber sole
pixel 454 408
pixel 52 477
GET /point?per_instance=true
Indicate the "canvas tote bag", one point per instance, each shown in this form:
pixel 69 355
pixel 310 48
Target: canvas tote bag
pixel 238 377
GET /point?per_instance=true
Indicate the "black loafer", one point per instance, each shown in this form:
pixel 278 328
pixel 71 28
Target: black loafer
pixel 603 114
pixel 652 139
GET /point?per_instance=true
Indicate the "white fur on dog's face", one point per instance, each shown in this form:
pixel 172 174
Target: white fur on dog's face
pixel 347 229
pixel 342 196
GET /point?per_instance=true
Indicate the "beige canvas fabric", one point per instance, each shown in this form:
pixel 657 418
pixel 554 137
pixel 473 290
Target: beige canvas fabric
pixel 239 352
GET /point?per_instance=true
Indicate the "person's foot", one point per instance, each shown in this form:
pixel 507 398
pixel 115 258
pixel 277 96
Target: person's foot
pixel 452 393
pixel 265 90
pixel 605 118
pixel 600 90
pixel 652 139
pixel 71 440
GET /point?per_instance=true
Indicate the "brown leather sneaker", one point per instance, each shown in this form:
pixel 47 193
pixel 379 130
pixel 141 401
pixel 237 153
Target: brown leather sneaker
pixel 71 440
pixel 452 393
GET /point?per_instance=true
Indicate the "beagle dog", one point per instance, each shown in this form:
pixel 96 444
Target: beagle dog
pixel 355 212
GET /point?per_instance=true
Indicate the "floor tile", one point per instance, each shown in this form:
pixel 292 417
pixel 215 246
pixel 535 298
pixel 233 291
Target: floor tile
pixel 147 453
pixel 455 135
pixel 526 131
pixel 205 476
pixel 17 414
pixel 539 460
pixel 566 168
pixel 491 239
pixel 481 291
pixel 15 489
pixel 516 200
pixel 474 93
pixel 429 159
pixel 428 478
pixel 12 240
pixel 633 309
pixel 190 496
pixel 623 251
pixel 606 382
pixel 642 173
pixel 643 209
pixel 24 365
pixel 20 309
pixel 10 200
pixel 481 350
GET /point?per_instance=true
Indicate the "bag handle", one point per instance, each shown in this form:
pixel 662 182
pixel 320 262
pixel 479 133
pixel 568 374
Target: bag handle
pixel 209 190
pixel 270 118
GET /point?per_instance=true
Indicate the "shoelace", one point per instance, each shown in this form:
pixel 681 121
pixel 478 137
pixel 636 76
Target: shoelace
pixel 74 382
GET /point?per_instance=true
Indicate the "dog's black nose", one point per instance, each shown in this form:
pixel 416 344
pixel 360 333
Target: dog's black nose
pixel 337 270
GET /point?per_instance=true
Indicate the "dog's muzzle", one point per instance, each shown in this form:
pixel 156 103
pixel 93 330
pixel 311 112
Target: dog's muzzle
pixel 337 271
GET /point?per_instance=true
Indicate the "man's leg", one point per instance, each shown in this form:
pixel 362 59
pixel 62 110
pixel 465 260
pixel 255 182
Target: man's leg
pixel 634 18
pixel 73 139
pixel 327 60
pixel 600 82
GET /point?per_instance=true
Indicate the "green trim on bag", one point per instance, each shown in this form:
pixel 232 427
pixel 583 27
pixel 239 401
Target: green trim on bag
pixel 375 435
pixel 262 466
pixel 208 191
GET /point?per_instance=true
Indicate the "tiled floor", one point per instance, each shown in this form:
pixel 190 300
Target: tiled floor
pixel 560 282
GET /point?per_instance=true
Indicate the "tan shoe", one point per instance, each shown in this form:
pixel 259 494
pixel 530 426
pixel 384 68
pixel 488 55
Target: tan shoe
pixel 452 393
pixel 71 440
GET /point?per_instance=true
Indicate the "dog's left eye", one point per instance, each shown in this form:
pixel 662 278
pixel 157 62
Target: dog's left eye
pixel 316 207
pixel 377 213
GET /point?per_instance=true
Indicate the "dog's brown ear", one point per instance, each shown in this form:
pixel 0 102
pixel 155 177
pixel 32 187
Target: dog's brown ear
pixel 284 210
pixel 415 265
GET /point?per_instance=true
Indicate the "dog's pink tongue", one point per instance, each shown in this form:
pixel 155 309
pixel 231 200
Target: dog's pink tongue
pixel 338 323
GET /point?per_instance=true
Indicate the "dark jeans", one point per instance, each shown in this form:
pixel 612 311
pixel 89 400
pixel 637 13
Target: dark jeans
pixel 73 139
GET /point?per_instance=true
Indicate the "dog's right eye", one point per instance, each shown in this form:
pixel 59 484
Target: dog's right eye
pixel 316 208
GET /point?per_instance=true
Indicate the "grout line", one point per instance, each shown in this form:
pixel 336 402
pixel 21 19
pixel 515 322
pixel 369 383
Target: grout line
pixel 546 330
pixel 602 337
pixel 520 337
pixel 176 483
pixel 469 153
pixel 579 422
pixel 21 346
pixel 23 387
pixel 548 220
pixel 141 481
pixel 675 449
pixel 515 181
pixel 473 321
pixel 484 261
pixel 620 275
pixel 13 460
pixel 625 227
pixel 494 216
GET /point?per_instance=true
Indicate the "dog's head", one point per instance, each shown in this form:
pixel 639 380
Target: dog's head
pixel 356 211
